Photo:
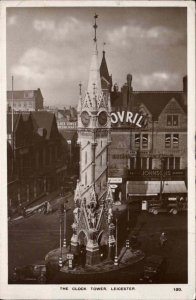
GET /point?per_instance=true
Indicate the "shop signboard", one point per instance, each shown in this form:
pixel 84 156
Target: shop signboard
pixel 115 180
pixel 157 175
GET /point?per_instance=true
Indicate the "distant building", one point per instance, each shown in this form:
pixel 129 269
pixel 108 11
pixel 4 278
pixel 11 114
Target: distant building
pixel 25 100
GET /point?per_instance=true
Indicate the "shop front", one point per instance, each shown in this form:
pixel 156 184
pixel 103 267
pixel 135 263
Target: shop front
pixel 147 191
pixel 117 186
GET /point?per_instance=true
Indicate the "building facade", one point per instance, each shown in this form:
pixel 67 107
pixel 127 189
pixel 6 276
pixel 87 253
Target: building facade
pixel 38 156
pixel 148 136
pixel 25 100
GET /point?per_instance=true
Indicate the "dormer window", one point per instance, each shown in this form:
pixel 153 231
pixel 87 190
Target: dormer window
pixel 28 94
pixel 172 120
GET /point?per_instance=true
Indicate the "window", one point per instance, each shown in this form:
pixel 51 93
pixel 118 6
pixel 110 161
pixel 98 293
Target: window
pixel 169 120
pixel 175 120
pixel 175 140
pixel 171 163
pixel 150 163
pixel 132 163
pixel 167 140
pixel 137 140
pixel 85 157
pixel 145 141
pixel 177 163
pixel 28 94
pixel 144 163
pixel 164 163
pixel 138 163
pixel 172 120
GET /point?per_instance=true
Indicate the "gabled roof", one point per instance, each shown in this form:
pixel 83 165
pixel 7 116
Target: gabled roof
pixel 68 134
pixel 43 119
pixel 155 101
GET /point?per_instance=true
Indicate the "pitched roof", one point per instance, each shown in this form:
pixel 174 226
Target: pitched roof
pixel 24 94
pixel 104 69
pixel 43 119
pixel 155 101
pixel 68 134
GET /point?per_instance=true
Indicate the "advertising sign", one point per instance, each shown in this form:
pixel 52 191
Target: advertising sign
pixel 115 180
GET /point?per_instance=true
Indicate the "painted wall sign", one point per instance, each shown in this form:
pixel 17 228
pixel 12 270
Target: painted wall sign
pixel 128 117
pixel 157 174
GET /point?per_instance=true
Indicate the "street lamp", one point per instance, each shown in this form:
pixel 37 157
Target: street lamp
pixel 116 248
pixel 161 179
pixel 128 217
pixel 64 230
pixel 61 212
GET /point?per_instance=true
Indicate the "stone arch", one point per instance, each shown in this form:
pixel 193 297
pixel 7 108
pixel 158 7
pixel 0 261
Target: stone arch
pixel 102 241
pixel 82 237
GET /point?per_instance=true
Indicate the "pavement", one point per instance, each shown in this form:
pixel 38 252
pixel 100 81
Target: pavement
pixel 31 238
pixel 126 258
pixel 54 199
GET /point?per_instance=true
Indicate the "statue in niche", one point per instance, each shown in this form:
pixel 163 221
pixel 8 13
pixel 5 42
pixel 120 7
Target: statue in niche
pixel 76 213
pixel 91 213
pixel 110 214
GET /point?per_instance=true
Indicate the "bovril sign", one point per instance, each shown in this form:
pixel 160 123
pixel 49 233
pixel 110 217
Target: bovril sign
pixel 128 117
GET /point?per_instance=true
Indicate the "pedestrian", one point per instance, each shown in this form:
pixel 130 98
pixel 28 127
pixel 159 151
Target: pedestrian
pixel 162 239
pixel 48 207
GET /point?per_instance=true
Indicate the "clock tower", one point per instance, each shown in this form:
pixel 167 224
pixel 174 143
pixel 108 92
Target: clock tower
pixel 92 227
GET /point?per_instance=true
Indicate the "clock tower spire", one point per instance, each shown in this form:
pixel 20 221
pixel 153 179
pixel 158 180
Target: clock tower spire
pixel 92 197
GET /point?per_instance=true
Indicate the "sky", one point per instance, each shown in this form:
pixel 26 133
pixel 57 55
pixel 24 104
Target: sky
pixel 51 48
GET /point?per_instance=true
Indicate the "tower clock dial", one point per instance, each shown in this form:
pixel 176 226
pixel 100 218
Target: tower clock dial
pixel 85 118
pixel 102 118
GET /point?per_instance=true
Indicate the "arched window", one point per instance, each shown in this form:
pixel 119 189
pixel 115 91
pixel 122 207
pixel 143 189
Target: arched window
pixel 85 157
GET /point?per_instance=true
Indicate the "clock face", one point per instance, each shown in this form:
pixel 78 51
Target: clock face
pixel 102 118
pixel 85 118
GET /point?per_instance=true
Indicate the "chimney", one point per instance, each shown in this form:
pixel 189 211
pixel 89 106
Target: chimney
pixel 185 84
pixel 184 98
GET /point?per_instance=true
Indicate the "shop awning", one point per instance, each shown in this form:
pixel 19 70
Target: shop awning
pixel 174 187
pixel 152 188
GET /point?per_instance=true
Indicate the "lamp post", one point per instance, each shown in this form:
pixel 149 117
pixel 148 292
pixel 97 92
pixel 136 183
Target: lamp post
pixel 161 179
pixel 61 212
pixel 128 217
pixel 64 229
pixel 116 248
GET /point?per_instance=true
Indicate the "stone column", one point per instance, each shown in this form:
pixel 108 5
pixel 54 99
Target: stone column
pixel 74 239
pixel 92 249
pixel 111 240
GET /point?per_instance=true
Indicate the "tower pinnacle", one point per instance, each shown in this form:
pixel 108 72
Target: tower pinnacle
pixel 95 27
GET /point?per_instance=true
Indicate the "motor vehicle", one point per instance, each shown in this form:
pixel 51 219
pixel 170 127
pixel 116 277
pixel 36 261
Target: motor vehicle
pixel 154 269
pixel 172 208
pixel 34 272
